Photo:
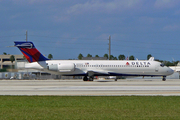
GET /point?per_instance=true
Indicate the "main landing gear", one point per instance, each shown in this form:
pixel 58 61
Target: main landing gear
pixel 164 78
pixel 91 78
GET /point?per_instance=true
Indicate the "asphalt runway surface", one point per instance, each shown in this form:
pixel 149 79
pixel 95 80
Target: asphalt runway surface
pixel 141 87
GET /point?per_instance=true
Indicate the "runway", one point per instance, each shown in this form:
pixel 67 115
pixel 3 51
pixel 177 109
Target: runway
pixel 96 88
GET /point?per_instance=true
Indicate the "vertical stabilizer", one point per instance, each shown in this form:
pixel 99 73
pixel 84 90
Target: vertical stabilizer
pixel 30 52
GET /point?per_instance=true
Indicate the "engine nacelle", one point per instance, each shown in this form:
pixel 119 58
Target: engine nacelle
pixel 62 67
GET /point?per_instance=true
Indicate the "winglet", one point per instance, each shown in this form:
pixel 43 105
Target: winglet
pixel 30 52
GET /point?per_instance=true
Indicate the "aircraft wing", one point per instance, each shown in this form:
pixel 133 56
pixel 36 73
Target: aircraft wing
pixel 97 73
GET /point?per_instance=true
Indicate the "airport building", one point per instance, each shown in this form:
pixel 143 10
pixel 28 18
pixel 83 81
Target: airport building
pixel 176 68
pixel 5 60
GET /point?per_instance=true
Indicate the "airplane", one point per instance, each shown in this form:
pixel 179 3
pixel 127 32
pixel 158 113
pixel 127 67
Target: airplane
pixel 91 68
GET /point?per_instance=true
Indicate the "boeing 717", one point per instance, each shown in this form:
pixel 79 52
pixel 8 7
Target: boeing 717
pixel 91 68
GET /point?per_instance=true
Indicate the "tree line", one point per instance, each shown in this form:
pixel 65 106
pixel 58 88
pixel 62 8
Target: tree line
pixel 123 57
pixel 120 57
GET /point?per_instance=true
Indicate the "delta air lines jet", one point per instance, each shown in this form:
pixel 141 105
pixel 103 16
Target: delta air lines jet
pixel 91 68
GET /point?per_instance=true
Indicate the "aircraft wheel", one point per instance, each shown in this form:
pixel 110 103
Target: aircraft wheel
pixel 91 78
pixel 164 78
pixel 85 78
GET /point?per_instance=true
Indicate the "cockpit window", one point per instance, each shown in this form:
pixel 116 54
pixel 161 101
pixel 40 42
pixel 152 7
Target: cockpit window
pixel 162 65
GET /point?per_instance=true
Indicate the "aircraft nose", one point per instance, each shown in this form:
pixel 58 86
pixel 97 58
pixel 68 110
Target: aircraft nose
pixel 170 71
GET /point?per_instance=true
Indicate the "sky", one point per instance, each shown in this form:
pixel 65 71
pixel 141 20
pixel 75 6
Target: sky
pixel 66 28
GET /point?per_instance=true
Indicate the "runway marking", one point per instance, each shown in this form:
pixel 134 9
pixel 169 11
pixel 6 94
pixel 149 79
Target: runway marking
pixel 127 88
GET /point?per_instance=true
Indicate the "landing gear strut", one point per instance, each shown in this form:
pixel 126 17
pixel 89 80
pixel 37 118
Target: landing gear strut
pixel 164 78
pixel 91 78
pixel 116 78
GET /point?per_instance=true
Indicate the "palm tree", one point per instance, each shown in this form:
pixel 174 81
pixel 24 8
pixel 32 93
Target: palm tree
pixel 148 56
pixel 131 57
pixel 89 55
pixel 96 55
pixel 111 57
pixel 106 56
pixel 80 56
pixel 50 56
pixel 121 57
pixel 12 59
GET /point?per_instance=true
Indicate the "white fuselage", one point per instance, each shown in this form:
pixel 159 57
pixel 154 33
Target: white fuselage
pixel 102 67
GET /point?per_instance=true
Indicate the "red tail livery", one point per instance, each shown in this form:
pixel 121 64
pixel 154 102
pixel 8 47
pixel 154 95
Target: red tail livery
pixel 30 52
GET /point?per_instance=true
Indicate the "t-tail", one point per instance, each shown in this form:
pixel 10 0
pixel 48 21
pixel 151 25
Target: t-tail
pixel 30 52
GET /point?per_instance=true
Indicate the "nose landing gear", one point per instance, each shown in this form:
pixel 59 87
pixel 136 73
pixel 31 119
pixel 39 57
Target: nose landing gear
pixel 164 78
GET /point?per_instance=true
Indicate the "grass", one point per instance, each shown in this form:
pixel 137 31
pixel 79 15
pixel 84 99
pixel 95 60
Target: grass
pixel 89 107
